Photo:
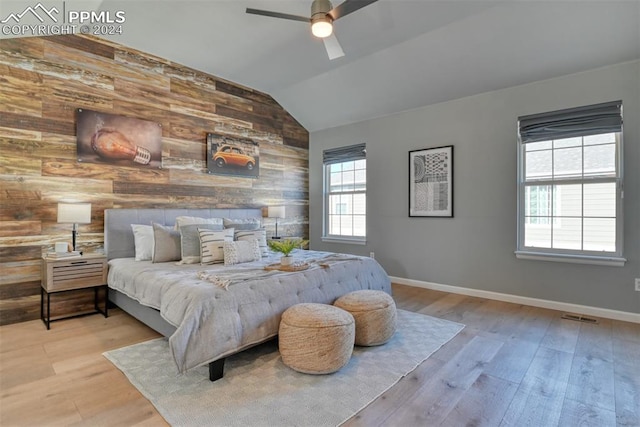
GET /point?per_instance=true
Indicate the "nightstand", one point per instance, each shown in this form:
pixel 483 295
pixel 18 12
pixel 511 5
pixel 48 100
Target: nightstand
pixel 63 275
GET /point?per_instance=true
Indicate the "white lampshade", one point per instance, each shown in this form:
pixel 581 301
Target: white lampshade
pixel 321 27
pixel 275 212
pixel 74 213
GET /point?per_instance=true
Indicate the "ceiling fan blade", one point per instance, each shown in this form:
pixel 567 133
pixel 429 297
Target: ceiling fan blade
pixel 349 6
pixel 278 15
pixel 331 44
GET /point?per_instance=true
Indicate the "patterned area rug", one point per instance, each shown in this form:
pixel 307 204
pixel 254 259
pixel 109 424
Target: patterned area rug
pixel 258 390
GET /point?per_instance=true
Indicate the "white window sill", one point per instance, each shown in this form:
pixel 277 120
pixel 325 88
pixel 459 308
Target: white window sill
pixel 345 240
pixel 611 261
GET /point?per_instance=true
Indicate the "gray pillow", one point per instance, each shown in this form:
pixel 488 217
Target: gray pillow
pixel 190 241
pixel 242 224
pixel 166 243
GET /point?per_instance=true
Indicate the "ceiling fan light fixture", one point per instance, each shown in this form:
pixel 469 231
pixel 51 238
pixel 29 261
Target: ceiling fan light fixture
pixel 322 16
pixel 322 27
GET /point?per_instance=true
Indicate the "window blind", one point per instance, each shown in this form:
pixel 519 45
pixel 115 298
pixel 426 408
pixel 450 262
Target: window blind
pixel 572 122
pixel 344 154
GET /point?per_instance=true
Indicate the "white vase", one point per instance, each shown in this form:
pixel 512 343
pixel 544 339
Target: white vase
pixel 286 260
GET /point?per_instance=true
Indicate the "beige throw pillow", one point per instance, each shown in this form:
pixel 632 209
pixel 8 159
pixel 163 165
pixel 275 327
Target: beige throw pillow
pixel 242 251
pixel 166 244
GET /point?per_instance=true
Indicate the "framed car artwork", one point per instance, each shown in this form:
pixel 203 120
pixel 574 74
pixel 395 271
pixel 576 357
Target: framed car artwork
pixel 227 155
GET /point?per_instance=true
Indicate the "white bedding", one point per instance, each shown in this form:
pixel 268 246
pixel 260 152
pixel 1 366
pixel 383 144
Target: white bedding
pixel 213 322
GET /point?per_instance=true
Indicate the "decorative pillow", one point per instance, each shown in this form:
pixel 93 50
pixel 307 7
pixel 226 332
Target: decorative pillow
pixel 242 224
pixel 242 251
pixel 166 243
pixel 143 241
pixel 190 241
pixel 212 245
pixel 260 235
pixel 188 220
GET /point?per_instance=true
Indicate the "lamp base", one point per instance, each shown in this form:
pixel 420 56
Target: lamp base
pixel 74 233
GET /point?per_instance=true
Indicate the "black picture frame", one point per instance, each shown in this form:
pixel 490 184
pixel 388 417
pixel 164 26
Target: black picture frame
pixel 118 140
pixel 232 156
pixel 431 182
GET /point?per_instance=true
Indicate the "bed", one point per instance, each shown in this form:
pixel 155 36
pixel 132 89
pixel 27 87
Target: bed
pixel 209 312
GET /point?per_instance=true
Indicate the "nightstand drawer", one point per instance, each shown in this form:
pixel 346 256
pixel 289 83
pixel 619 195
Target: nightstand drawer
pixel 63 275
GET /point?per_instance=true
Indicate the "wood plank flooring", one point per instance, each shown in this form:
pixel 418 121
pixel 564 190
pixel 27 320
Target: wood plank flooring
pixel 512 365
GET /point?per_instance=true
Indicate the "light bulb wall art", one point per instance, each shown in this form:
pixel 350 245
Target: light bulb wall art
pixel 118 140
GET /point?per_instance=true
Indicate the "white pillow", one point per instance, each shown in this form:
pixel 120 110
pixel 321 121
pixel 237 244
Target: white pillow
pixel 188 220
pixel 259 235
pixel 212 245
pixel 242 223
pixel 242 251
pixel 143 241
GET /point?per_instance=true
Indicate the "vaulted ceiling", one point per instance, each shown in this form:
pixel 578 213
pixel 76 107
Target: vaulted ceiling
pixel 400 54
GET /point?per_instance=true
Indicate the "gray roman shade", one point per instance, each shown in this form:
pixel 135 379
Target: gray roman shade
pixel 344 154
pixel 572 122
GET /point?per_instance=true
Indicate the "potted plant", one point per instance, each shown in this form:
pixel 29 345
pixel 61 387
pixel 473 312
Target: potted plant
pixel 285 247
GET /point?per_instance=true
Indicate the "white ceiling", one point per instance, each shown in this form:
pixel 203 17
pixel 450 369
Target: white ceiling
pixel 400 54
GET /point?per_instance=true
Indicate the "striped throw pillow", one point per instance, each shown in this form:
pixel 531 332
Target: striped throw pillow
pixel 259 235
pixel 212 245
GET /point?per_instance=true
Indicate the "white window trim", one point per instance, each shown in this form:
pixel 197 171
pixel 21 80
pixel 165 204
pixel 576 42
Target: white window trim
pixel 575 259
pixel 334 238
pixel 345 240
pixel 573 256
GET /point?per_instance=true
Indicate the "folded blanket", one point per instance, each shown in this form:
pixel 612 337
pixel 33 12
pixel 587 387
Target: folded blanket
pixel 228 277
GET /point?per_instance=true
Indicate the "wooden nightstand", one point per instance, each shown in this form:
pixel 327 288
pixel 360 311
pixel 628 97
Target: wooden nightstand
pixel 63 275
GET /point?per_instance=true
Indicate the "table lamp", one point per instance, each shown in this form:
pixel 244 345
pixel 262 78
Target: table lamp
pixel 74 213
pixel 276 212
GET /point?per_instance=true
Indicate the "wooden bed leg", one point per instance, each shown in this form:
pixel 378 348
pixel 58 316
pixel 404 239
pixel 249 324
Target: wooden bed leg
pixel 216 369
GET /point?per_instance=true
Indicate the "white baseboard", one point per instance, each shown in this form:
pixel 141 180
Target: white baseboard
pixel 535 302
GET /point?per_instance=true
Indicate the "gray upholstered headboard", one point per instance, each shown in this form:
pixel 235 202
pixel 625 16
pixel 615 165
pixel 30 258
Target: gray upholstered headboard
pixel 118 235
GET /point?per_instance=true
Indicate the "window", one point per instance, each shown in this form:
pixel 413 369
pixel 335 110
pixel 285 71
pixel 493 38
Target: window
pixel 570 185
pixel 345 194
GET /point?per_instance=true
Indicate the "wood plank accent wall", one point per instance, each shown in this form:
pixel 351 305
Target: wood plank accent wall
pixel 43 80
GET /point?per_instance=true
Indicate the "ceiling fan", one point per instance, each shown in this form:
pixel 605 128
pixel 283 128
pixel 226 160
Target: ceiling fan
pixel 322 16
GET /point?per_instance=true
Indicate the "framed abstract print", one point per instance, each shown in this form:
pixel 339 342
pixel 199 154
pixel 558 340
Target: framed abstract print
pixel 431 182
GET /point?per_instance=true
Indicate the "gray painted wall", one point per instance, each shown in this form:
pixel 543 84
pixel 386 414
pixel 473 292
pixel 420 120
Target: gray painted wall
pixel 475 249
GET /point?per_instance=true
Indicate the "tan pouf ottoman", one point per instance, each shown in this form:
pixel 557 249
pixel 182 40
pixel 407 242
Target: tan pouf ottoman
pixel 316 338
pixel 375 315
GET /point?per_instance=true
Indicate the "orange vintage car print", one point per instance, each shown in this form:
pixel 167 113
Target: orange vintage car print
pixel 228 155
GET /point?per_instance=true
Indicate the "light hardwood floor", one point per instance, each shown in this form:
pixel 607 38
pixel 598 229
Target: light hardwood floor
pixel 512 365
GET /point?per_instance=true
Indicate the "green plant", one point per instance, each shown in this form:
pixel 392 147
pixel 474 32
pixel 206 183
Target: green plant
pixel 286 246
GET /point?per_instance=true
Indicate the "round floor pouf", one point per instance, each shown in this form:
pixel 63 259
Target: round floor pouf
pixel 316 338
pixel 375 315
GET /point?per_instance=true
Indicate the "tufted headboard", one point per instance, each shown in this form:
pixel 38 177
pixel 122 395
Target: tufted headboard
pixel 118 235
